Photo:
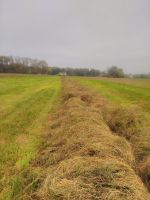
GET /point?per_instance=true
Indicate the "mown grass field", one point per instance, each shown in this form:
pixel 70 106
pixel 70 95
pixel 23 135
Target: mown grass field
pixel 25 103
pixel 95 145
pixel 95 150
pixel 123 91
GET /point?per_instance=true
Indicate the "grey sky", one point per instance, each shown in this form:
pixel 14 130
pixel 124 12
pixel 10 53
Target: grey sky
pixel 78 33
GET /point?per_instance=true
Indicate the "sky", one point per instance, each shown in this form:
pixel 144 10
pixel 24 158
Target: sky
pixel 78 33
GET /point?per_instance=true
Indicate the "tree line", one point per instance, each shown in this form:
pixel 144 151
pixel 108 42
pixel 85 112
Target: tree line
pixel 75 71
pixel 147 76
pixel 9 64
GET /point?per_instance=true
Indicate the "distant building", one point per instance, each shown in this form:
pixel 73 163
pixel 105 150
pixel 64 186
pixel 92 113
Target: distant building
pixel 62 74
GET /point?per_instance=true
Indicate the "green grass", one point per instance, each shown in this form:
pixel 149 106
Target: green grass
pixel 25 103
pixel 122 91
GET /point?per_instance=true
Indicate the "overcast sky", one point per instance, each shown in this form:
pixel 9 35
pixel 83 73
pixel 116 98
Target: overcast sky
pixel 78 33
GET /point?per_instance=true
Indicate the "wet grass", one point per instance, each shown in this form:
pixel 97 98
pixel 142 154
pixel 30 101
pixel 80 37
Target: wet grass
pixel 25 102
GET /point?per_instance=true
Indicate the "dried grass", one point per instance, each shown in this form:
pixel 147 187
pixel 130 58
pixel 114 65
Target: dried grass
pixel 83 158
pixel 92 178
pixel 127 122
pixel 144 171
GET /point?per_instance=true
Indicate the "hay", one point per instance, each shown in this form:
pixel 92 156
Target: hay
pixel 126 122
pixel 83 158
pixel 144 171
pixel 92 178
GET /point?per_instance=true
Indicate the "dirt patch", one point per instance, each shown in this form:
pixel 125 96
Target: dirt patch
pixel 22 139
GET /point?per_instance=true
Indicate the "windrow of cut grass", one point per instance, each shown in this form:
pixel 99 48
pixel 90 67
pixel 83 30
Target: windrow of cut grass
pixel 130 120
pixel 133 125
pixel 81 157
pixel 25 102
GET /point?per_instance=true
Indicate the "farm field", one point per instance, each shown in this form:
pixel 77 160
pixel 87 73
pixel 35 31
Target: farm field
pixel 25 103
pixel 74 138
pixel 123 91
pixel 129 98
pixel 95 149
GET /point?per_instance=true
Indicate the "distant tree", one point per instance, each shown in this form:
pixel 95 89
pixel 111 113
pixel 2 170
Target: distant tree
pixel 115 72
pixel 142 76
pixel 94 72
pixel 10 64
pixel 75 71
pixel 25 65
pixel 55 70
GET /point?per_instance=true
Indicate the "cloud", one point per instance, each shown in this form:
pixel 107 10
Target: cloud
pixel 96 33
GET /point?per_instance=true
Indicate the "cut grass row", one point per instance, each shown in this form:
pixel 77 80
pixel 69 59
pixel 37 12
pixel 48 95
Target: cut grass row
pixel 82 158
pixel 25 102
pixel 127 113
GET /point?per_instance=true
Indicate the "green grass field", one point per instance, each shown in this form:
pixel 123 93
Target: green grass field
pixel 122 91
pixel 26 105
pixel 25 102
